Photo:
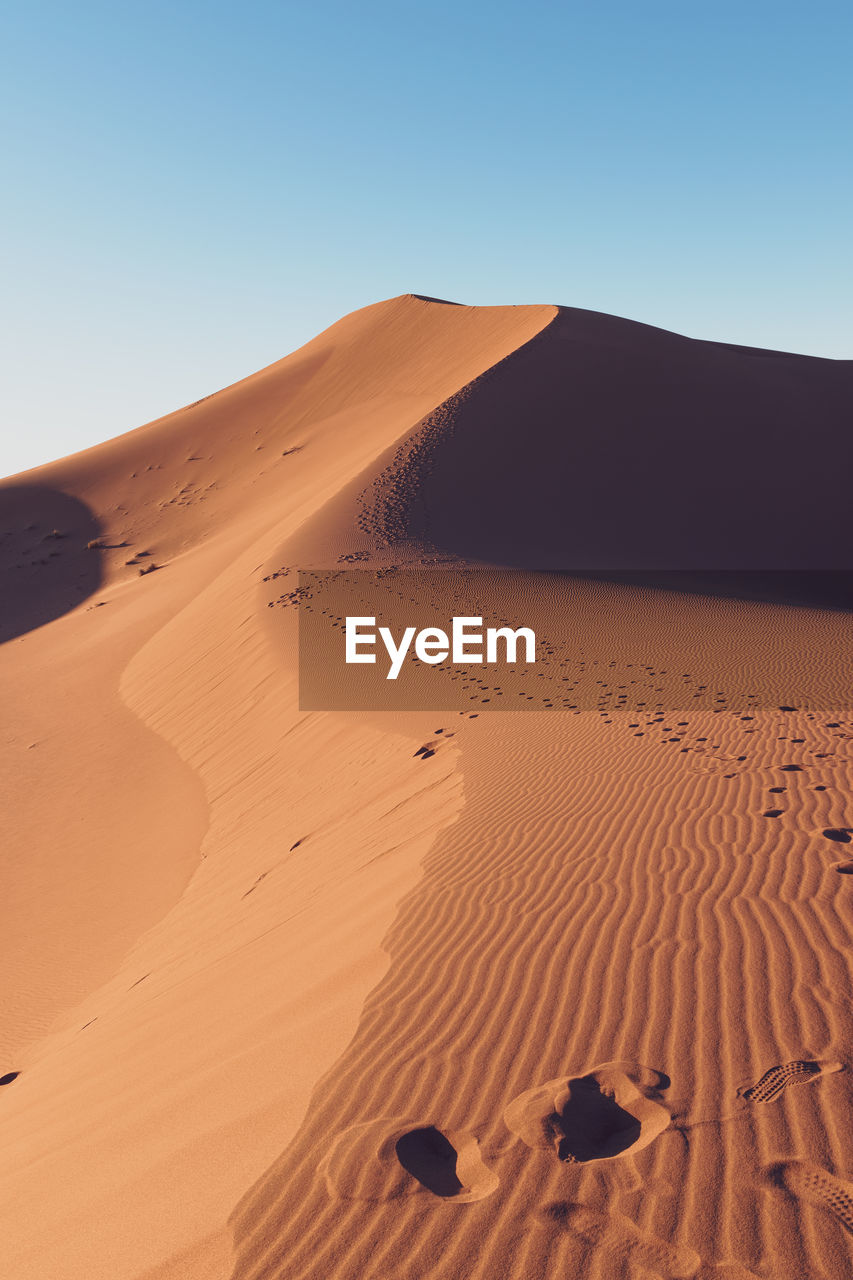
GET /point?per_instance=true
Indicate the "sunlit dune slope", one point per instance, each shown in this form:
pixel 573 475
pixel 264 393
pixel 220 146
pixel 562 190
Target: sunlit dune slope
pixel 106 823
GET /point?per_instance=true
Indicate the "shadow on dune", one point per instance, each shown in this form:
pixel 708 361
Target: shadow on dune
pixel 812 588
pixel 444 302
pixel 591 1125
pixel 607 445
pixel 428 1156
pixel 45 566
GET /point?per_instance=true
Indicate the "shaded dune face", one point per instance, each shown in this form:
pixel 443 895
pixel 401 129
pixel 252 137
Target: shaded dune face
pixel 46 565
pixel 603 444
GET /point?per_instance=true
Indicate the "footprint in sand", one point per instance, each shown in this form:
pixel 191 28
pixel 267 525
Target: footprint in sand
pixel 726 1271
pixel 817 1187
pixel 397 1156
pixel 602 1114
pixel 778 1078
pixel 624 1242
pixel 449 1166
pixel 843 868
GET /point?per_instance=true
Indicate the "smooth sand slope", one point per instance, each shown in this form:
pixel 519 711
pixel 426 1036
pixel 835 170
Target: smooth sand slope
pixel 566 993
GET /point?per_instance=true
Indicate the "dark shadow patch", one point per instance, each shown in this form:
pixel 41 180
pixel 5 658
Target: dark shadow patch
pixel 45 568
pixel 806 588
pixel 443 302
pixel 9 1077
pixel 559 1212
pixel 613 446
pixel 592 1125
pixel 428 1156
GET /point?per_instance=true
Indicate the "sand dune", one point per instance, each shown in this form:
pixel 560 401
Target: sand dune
pixel 404 995
pixel 613 445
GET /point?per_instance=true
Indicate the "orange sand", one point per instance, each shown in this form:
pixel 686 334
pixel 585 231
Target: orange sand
pixel 289 1001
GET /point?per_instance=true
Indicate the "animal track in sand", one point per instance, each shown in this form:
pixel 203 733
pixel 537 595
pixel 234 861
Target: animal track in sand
pixel 841 835
pixel 393 1157
pixel 780 1077
pixel 602 1114
pixel 817 1187
pixel 844 868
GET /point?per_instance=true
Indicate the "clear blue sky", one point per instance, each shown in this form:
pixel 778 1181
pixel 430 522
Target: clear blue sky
pixel 193 190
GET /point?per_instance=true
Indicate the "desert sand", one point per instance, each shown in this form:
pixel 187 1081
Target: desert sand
pixel 328 995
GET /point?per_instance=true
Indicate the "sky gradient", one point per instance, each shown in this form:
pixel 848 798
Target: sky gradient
pixel 194 190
